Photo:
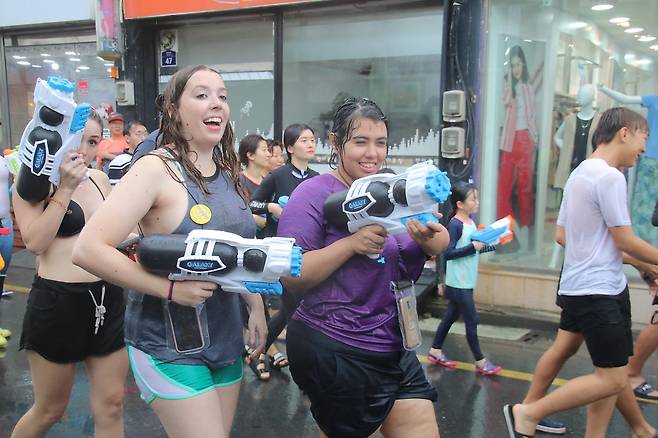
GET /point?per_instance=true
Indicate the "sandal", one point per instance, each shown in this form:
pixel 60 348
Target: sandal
pixel 643 391
pixel 259 367
pixel 278 361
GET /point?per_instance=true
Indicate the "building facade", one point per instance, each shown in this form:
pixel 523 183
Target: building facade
pixel 289 61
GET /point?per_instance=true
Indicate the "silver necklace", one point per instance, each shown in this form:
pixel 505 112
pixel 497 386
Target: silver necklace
pixel 584 124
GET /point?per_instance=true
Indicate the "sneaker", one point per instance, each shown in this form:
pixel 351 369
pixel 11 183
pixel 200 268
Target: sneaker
pixel 488 369
pixel 442 360
pixel 551 426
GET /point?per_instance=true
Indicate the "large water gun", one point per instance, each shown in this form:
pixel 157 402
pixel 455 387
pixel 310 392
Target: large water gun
pixel 498 233
pixel 389 200
pixel 56 127
pixel 233 262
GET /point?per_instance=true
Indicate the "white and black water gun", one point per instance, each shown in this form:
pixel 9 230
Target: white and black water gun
pixel 56 127
pixel 234 263
pixel 389 200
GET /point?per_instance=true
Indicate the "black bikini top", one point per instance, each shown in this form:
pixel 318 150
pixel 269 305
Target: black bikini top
pixel 74 218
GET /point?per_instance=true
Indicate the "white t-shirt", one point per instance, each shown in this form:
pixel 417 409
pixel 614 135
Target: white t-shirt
pixel 594 200
pixel 118 167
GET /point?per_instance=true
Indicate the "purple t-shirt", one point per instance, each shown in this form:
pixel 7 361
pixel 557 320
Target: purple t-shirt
pixel 355 305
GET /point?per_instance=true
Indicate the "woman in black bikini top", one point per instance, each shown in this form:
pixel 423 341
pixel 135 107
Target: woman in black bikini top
pixel 71 315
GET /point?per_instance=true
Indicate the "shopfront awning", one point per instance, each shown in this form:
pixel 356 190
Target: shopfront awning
pixel 148 8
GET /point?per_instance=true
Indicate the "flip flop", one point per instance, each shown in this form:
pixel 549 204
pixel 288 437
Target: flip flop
pixel 509 421
pixel 643 390
pixel 441 360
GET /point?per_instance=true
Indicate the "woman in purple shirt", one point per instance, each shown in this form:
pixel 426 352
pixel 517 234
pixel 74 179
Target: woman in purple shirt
pixel 344 342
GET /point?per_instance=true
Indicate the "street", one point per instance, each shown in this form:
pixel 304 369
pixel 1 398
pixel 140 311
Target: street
pixel 469 405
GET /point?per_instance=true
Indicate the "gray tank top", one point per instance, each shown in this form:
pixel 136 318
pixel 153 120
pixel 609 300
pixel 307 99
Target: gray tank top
pixel 145 322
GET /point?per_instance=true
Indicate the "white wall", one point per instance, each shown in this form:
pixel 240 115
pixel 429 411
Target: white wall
pixel 36 12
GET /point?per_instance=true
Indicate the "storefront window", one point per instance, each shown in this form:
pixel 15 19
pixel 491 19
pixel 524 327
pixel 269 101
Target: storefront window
pixel 77 62
pixel 543 101
pixel 390 55
pixel 243 51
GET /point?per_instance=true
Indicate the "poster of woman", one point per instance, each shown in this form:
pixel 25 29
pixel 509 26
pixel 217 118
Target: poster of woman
pixel 523 67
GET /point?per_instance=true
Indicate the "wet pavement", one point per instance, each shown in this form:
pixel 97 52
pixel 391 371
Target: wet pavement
pixel 469 404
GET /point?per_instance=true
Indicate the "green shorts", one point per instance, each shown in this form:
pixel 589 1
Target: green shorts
pixel 169 381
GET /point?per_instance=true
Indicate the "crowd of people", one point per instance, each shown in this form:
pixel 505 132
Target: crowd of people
pixel 344 344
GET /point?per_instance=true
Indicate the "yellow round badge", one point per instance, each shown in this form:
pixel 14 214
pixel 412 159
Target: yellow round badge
pixel 200 214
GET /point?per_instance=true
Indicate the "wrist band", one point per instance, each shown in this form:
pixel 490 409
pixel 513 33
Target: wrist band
pixel 171 290
pixel 60 203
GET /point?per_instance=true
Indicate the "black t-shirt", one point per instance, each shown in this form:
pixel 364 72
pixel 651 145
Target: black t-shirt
pixel 281 182
pixel 580 142
pixel 248 185
pixel 251 188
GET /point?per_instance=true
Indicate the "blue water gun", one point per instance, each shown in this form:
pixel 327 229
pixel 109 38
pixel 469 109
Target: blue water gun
pixel 498 233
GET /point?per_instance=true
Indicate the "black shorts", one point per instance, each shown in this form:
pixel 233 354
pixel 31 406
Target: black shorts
pixel 352 390
pixel 60 318
pixel 605 322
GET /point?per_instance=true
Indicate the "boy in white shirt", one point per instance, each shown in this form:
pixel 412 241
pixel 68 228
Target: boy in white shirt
pixel 593 294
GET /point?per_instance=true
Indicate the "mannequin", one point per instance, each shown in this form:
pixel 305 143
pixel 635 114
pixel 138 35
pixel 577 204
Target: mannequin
pixel 574 138
pixel 643 200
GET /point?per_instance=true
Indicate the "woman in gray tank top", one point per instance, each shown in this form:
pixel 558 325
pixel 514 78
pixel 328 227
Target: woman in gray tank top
pixel 193 394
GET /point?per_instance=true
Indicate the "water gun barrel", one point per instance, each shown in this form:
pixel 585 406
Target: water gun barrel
pixel 235 263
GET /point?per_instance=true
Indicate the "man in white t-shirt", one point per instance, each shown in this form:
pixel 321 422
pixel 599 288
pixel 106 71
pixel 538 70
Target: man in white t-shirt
pixel 595 228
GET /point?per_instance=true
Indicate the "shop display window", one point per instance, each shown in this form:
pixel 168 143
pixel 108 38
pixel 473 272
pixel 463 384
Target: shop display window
pixel 390 55
pixel 542 100
pixel 76 61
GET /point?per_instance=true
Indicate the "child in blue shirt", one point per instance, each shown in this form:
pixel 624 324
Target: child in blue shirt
pixel 461 279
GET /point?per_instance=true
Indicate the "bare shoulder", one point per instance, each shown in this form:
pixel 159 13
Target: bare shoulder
pixel 149 166
pixel 98 176
pixel 101 179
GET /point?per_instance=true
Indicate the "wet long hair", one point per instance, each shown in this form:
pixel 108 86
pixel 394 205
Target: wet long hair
pixel 517 52
pixel 352 109
pixel 171 130
pixel 292 134
pixel 459 193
